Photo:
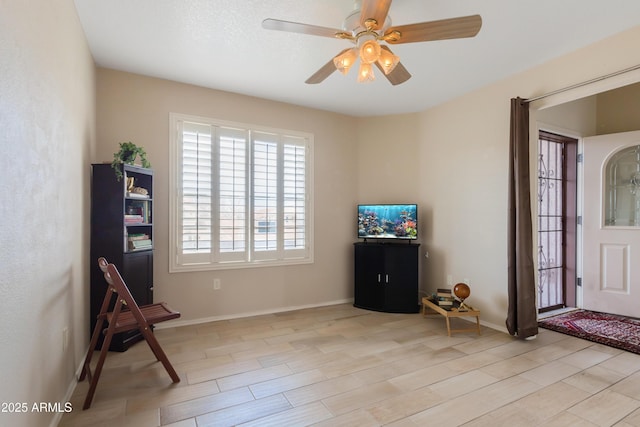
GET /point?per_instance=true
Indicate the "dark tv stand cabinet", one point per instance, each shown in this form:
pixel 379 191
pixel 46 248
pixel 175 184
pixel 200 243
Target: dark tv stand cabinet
pixel 386 277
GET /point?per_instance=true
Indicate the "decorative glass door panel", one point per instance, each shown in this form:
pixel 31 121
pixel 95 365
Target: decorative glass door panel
pixel 622 188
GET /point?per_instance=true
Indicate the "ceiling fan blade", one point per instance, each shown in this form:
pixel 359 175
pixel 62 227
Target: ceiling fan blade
pixel 454 28
pixel 376 10
pixel 324 72
pixel 398 75
pixel 297 27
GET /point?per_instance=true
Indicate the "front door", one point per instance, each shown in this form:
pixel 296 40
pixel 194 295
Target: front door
pixel 611 224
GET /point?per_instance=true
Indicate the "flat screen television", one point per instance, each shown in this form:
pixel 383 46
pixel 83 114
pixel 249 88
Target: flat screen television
pixel 388 221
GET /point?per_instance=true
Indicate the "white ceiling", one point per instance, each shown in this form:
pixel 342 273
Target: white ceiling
pixel 221 44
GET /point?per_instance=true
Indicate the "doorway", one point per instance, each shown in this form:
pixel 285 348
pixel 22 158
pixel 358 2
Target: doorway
pixel 557 221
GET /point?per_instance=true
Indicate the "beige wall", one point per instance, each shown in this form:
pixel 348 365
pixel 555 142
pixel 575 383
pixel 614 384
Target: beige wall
pixel 387 159
pixel 575 118
pixel 136 108
pixel 619 110
pixel 47 127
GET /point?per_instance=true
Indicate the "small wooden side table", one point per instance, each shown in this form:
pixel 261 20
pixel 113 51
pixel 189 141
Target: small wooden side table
pixel 433 308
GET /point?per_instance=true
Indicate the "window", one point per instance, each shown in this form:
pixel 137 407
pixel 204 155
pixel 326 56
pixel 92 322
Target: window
pixel 241 195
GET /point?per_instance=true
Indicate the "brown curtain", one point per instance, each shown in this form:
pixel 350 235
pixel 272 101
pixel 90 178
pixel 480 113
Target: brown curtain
pixel 522 314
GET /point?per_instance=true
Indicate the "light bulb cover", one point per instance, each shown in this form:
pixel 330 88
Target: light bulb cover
pixel 345 61
pixel 365 73
pixel 388 61
pixel 370 51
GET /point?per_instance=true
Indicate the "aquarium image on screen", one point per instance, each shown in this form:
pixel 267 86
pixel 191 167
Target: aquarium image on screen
pixel 386 221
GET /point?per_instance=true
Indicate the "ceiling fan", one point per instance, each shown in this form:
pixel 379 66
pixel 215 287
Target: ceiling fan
pixel 366 27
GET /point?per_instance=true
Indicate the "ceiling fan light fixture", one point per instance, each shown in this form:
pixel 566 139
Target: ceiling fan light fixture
pixel 345 61
pixel 365 73
pixel 388 61
pixel 370 51
pixel 369 25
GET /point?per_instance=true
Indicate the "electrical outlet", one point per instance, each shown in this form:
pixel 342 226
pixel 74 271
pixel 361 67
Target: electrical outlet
pixel 466 281
pixel 65 339
pixel 449 280
pixel 216 284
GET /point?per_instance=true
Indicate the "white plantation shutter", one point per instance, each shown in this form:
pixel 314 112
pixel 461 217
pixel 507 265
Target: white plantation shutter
pixel 295 193
pixel 242 196
pixel 195 196
pixel 265 195
pixel 233 194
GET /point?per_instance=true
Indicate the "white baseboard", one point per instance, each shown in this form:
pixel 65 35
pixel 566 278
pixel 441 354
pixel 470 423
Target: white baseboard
pixel 494 326
pixel 178 323
pixel 70 389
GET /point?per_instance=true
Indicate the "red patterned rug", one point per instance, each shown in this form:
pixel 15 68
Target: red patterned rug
pixel 608 329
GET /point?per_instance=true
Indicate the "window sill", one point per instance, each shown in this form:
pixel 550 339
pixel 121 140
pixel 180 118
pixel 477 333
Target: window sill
pixel 236 265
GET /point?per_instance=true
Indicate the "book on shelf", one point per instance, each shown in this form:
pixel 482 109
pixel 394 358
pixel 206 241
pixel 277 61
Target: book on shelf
pixel 133 219
pixel 135 210
pixel 140 244
pixel 138 236
pixel 132 195
pixel 141 208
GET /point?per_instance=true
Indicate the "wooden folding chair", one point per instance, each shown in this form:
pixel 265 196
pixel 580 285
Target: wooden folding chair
pixel 122 319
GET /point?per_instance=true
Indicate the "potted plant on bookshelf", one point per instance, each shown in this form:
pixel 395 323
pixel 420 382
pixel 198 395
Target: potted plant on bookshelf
pixel 127 155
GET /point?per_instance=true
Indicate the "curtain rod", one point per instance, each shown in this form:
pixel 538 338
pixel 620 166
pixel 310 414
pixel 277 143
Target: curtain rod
pixel 588 82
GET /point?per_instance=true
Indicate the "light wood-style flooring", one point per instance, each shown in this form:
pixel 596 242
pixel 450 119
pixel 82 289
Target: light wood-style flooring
pixel 343 366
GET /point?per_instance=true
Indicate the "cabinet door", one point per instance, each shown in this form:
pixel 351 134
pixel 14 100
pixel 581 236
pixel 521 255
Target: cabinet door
pixel 401 290
pixel 137 271
pixel 369 281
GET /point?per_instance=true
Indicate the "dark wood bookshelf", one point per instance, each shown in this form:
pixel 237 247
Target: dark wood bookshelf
pixel 110 233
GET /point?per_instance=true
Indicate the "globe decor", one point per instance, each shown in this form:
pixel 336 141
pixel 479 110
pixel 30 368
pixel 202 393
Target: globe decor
pixel 462 292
